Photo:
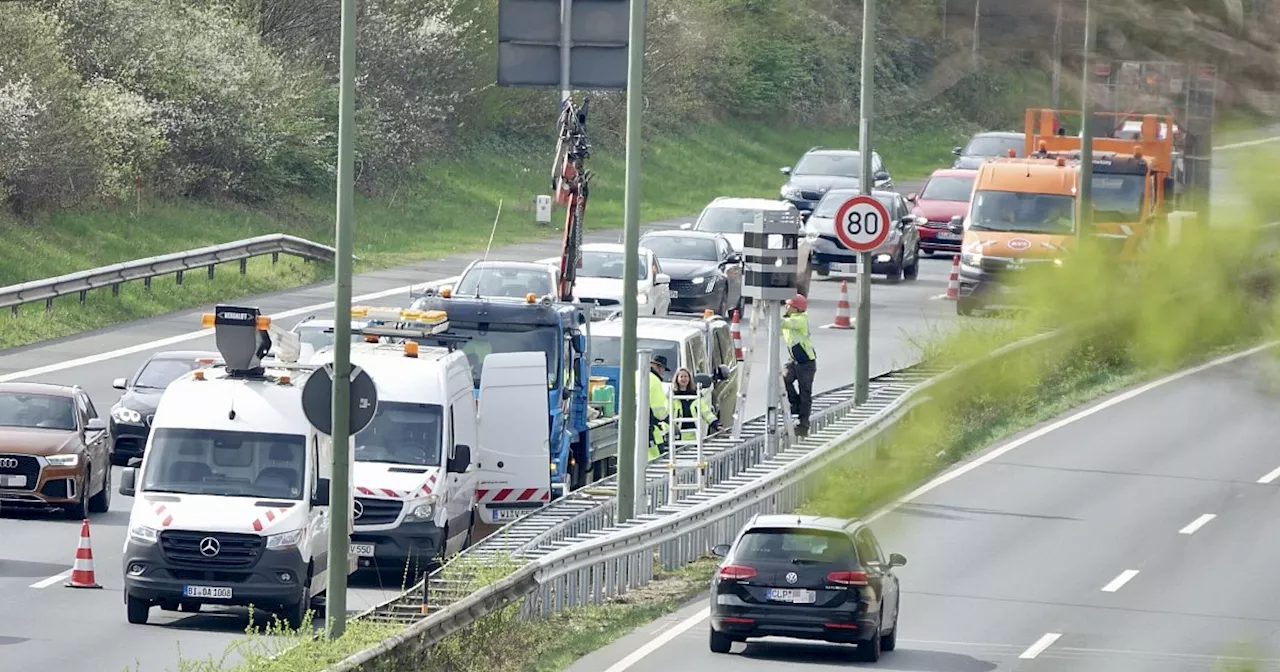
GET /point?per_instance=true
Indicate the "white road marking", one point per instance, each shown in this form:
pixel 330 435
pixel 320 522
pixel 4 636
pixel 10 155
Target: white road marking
pixel 191 336
pixel 1040 645
pixel 1118 582
pixel 1197 524
pixel 658 642
pixel 1271 476
pixel 56 578
pixel 1248 143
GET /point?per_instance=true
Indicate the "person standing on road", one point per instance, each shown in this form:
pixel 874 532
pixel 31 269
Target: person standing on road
pixel 657 406
pixel 802 361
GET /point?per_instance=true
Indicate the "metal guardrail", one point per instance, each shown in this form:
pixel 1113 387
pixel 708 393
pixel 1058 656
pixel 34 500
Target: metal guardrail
pixel 178 263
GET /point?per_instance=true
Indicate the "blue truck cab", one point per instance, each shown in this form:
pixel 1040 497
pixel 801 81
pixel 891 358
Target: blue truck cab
pixel 485 326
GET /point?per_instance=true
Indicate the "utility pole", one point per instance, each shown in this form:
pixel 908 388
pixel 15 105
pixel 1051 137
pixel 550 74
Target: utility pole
pixel 630 479
pixel 977 20
pixel 862 365
pixel 340 484
pixel 566 49
pixel 1057 57
pixel 1086 136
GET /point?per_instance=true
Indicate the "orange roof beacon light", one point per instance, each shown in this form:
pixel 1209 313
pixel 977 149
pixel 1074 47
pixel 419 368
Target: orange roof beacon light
pixel 206 320
pixel 198 374
pixel 1044 147
pixel 370 338
pixel 264 323
pixel 205 360
pixel 531 297
pixel 708 313
pixel 1013 153
pixel 1061 161
pixel 446 292
pixel 285 380
pixel 410 348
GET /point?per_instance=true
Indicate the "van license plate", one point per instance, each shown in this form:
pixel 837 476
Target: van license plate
pixel 506 515
pixel 675 295
pixel 208 592
pixel 792 595
pixel 16 481
pixel 844 268
pixel 947 235
pixel 362 550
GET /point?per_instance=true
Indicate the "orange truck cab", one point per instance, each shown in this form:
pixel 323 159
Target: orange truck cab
pixel 1022 217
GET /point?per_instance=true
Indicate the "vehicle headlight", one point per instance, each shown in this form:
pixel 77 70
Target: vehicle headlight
pixel 126 415
pixel 698 280
pixel 420 512
pixel 285 540
pixel 141 534
pixel 63 460
pixel 711 284
pixel 971 259
pixel 789 191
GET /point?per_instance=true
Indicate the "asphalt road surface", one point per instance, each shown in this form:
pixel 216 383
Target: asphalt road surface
pixel 1133 535
pixel 37 550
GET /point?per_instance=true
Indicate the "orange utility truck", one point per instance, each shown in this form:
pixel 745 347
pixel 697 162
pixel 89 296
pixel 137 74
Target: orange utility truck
pixel 1022 219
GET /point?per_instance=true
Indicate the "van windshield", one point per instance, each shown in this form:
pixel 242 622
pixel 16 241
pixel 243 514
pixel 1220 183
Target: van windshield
pixel 1022 212
pixel 607 351
pixel 402 433
pixel 231 464
pixel 1117 198
pixel 486 338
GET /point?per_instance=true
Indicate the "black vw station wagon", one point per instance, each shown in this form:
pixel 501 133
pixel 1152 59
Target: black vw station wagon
pixel 806 577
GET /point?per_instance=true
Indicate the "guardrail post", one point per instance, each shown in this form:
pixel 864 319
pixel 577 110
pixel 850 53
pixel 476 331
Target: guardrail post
pixel 115 289
pixel 211 267
pixel 48 305
pixel 146 284
pixel 84 296
pixel 178 276
pixel 275 257
pixel 244 266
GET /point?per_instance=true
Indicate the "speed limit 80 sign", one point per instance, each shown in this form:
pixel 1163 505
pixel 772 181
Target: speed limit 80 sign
pixel 862 223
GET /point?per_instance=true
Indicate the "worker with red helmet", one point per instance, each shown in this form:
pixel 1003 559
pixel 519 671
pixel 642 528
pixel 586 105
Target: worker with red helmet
pixel 802 361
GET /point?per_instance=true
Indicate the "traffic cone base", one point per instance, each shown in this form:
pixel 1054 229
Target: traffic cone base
pixel 953 284
pixel 842 308
pixel 82 575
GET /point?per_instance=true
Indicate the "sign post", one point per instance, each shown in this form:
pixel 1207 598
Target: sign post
pixel 862 361
pixel 862 224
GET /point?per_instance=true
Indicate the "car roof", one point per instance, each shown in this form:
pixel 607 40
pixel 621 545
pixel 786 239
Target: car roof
pixel 48 389
pixel 750 203
pixel 954 172
pixel 528 265
pixel 655 328
pixel 602 247
pixel 682 233
pixel 846 152
pixel 877 193
pixel 803 521
pixel 999 134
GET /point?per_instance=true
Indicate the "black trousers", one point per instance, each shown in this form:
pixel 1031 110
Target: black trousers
pixel 799 381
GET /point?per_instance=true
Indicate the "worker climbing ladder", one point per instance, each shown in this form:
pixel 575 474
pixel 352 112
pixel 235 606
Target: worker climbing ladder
pixel 740 409
pixel 680 467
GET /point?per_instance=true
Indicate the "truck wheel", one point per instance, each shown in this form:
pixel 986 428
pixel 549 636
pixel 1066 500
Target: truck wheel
pixel 138 610
pixel 295 614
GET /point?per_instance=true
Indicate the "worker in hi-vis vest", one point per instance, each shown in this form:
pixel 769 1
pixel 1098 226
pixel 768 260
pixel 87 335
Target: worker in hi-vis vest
pixel 683 384
pixel 657 405
pixel 802 361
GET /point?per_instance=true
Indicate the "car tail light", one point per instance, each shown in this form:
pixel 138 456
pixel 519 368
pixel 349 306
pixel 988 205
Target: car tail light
pixel 737 572
pixel 848 578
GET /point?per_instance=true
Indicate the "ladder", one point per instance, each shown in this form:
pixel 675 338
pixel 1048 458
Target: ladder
pixel 678 467
pixel 740 409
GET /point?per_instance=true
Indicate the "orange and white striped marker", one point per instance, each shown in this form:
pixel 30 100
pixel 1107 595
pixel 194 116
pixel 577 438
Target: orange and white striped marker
pixel 736 331
pixel 82 571
pixel 953 284
pixel 842 308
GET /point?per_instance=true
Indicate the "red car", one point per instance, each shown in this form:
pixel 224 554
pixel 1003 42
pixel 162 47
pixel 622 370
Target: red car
pixel 944 196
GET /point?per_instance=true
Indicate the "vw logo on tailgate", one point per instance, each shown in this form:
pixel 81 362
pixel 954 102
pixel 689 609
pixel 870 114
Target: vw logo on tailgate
pixel 792 577
pixel 209 547
pixel 8 463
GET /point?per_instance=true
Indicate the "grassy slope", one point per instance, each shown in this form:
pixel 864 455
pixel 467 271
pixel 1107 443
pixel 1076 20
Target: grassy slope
pixel 447 209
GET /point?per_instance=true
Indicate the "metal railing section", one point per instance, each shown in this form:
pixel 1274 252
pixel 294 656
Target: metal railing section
pixel 177 263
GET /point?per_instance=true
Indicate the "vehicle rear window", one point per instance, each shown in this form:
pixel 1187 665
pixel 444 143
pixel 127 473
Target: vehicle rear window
pixel 794 545
pixel 831 203
pixel 948 189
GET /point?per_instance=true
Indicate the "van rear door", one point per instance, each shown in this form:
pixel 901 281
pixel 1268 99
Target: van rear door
pixel 514 457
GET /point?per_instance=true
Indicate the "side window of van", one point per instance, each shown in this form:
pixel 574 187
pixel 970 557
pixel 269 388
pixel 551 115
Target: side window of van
pixel 698 350
pixel 723 350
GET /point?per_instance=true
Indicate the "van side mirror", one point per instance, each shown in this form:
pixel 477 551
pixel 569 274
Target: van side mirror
pixel 734 258
pixel 662 279
pixel 720 550
pixel 896 560
pixel 128 482
pixel 321 498
pixel 957 150
pixel 881 175
pixel 704 380
pixel 911 197
pixel 723 371
pixel 686 226
pixel 461 459
pixel 957 221
pixel 785 170
pixel 120 383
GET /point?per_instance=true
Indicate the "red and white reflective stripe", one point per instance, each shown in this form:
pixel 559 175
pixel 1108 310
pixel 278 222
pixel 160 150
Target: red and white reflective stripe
pixel 167 520
pixel 427 487
pixel 513 495
pixel 270 517
pixel 364 491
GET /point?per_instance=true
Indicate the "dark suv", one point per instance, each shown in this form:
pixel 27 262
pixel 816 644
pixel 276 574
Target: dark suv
pixel 806 577
pixel 821 170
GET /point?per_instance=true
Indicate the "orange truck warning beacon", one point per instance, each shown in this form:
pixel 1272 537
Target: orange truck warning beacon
pixel 1022 217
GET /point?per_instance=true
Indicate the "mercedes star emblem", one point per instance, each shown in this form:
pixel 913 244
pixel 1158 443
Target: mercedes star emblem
pixel 209 547
pixel 357 508
pixel 792 577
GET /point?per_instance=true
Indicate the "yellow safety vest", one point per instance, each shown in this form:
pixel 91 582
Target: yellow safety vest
pixel 688 430
pixel 795 332
pixel 657 413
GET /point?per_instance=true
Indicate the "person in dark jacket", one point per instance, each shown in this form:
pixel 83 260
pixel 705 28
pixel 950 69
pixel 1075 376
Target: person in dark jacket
pixel 802 361
pixel 682 384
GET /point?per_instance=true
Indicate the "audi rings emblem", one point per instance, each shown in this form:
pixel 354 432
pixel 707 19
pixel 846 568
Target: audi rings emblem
pixel 8 463
pixel 792 577
pixel 357 509
pixel 209 547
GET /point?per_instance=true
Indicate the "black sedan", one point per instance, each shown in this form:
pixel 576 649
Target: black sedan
pixel 706 273
pixel 130 422
pixel 806 577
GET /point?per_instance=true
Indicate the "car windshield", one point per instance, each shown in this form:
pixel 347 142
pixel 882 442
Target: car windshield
pixel 514 282
pixel 990 145
pixel 833 165
pixel 607 351
pixel 694 248
pixel 1023 212
pixel 795 546
pixel 1117 198
pixel 484 339
pixel 948 189
pixel 321 335
pixel 156 374
pixel 226 463
pixel 402 433
pixel 597 264
pixel 37 411
pixel 830 203
pixel 725 220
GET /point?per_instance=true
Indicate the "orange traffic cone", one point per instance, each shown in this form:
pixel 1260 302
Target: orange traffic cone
pixel 736 332
pixel 82 571
pixel 953 284
pixel 842 308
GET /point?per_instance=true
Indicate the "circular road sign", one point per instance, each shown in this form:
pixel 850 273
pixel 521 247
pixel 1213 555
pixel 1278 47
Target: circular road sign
pixel 317 399
pixel 862 223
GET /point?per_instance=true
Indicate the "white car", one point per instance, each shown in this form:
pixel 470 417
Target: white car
pixel 727 215
pixel 507 280
pixel 599 279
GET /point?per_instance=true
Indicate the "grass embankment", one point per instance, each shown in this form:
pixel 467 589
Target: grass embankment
pixel 449 210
